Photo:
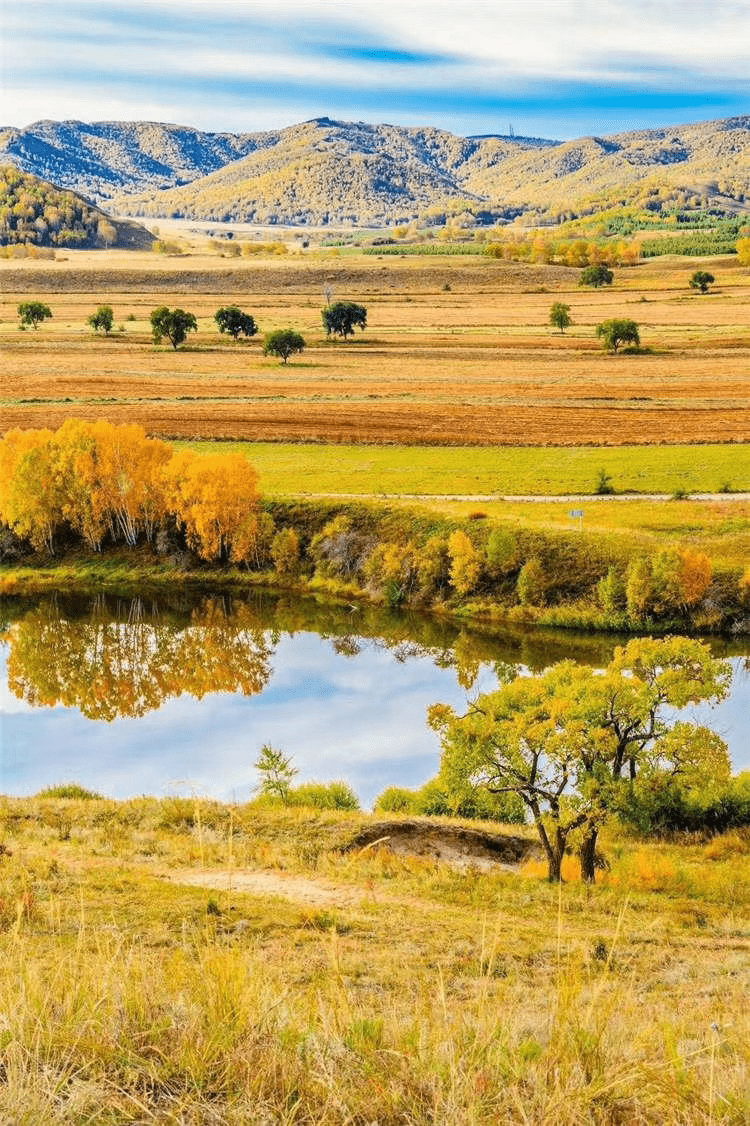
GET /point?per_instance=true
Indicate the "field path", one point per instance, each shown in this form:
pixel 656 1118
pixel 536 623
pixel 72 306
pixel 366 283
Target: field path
pixel 564 498
pixel 300 889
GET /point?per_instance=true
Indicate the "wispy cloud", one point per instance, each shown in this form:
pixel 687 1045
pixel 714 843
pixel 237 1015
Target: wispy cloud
pixel 564 66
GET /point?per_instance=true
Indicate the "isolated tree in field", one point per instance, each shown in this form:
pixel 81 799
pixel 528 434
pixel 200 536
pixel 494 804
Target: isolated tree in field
pixel 33 313
pixel 596 276
pixel 743 251
pixel 175 324
pixel 559 316
pixel 342 318
pixel 102 319
pixel 284 342
pixel 615 332
pixel 701 280
pixel 232 320
pixel 276 772
pixel 572 741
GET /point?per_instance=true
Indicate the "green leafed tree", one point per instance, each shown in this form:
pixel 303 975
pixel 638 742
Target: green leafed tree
pixel 618 331
pixel 175 324
pixel 232 320
pixel 102 319
pixel 343 317
pixel 572 741
pixel 702 280
pixel 559 316
pixel 596 276
pixel 284 342
pixel 276 773
pixel 33 313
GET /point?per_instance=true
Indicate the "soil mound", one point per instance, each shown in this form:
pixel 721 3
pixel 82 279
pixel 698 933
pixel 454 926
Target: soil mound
pixel 460 847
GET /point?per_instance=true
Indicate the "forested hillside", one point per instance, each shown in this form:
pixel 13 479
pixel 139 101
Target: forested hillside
pixel 37 213
pixel 325 171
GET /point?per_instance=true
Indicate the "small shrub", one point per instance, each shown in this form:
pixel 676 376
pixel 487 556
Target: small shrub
pixel 70 791
pixel 465 563
pixel 276 773
pixel 611 592
pixel 324 795
pixel 604 486
pixel 285 551
pixel 396 799
pixel 502 552
pixel 532 584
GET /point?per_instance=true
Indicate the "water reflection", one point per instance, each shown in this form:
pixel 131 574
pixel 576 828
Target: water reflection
pixel 122 658
pixel 131 696
pixel 110 667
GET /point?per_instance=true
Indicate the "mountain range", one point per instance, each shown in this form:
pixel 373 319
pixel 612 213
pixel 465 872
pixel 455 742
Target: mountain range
pixel 325 171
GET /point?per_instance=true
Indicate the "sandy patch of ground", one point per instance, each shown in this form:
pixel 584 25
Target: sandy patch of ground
pixel 458 847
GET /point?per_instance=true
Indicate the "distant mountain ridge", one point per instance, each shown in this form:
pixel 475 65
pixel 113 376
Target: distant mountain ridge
pixel 327 171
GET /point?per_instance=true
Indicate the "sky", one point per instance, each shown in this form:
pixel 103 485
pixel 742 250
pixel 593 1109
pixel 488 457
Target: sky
pixel 549 68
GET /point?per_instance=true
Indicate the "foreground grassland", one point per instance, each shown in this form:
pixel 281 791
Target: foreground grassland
pixel 367 987
pixel 458 351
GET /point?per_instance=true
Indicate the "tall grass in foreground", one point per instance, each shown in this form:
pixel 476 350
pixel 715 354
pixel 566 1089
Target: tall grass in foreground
pixel 440 998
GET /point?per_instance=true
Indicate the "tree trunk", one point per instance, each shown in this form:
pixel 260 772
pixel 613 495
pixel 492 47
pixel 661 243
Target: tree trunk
pixel 588 855
pixel 554 852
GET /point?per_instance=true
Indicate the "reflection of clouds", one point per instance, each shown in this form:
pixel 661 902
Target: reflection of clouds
pixel 9 704
pixel 357 718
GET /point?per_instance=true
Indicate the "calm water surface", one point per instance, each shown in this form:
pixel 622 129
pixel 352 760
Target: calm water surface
pixel 134 696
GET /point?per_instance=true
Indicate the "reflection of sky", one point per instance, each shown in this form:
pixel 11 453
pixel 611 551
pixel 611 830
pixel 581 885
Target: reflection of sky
pixel 358 718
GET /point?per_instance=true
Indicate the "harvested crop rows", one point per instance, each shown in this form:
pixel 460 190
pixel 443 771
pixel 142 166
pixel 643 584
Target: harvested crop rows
pixel 435 366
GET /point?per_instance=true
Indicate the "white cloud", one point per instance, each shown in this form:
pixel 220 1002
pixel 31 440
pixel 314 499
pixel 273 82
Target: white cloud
pixel 176 59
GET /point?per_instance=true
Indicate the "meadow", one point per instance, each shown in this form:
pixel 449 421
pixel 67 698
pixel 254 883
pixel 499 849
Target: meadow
pixel 458 351
pixel 179 960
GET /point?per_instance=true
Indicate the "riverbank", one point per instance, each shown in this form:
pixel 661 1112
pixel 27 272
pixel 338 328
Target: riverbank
pixel 475 566
pixel 179 959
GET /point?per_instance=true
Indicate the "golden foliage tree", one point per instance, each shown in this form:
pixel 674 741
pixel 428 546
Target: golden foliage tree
pixel 112 480
pixel 215 499
pixel 466 563
pixel 31 500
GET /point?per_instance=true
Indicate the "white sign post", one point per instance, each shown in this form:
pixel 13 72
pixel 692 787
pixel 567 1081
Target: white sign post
pixel 577 514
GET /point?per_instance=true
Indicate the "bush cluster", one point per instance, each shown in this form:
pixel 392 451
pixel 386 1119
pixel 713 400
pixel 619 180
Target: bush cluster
pixel 438 799
pixel 663 806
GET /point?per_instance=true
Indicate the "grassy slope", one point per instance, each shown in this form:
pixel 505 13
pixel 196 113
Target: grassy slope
pixel 433 997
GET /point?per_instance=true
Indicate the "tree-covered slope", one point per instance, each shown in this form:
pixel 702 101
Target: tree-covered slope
pixel 35 212
pixel 353 172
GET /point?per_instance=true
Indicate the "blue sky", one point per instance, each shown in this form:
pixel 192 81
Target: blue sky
pixel 555 68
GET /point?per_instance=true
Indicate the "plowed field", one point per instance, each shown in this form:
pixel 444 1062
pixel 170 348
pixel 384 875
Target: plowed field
pixel 475 364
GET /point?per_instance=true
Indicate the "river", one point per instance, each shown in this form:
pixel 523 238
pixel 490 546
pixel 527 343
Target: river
pixel 178 694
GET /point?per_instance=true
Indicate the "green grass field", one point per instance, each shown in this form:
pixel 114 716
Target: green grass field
pixel 287 468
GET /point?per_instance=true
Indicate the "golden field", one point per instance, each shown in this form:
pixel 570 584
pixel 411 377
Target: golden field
pixel 457 351
pixel 180 961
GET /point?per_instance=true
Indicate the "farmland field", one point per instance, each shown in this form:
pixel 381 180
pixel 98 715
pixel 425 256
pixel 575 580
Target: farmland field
pixel 457 352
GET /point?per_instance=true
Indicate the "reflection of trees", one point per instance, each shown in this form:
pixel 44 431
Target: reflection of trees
pixel 111 667
pixel 125 657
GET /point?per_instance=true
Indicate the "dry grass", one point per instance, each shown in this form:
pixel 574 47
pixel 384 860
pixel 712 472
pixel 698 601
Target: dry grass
pixel 435 996
pixel 476 365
